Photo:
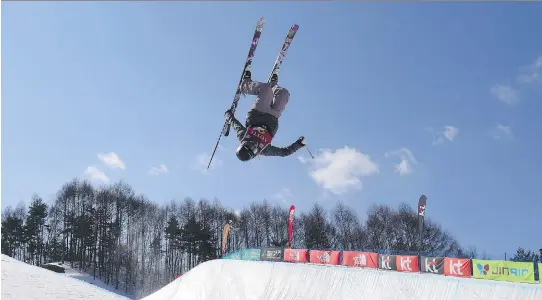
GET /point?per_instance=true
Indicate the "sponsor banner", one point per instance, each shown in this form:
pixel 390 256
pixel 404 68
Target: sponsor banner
pixel 503 270
pixel 272 254
pixel 325 257
pixel 296 255
pixel 247 254
pixel 433 265
pixel 458 267
pixel 387 262
pixel 360 259
pixel 407 263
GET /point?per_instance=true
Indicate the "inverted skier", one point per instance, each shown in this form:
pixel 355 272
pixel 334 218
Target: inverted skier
pixel 262 120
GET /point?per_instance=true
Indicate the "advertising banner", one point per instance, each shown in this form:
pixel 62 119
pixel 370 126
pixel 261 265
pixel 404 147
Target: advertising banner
pixel 360 259
pixel 387 262
pixel 457 267
pixel 503 270
pixel 433 265
pixel 272 254
pixel 407 263
pixel 296 255
pixel 247 254
pixel 325 257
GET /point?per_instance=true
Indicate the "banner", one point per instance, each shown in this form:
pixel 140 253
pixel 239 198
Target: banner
pixel 290 225
pixel 407 263
pixel 360 259
pixel 421 217
pixel 433 265
pixel 225 233
pixel 387 262
pixel 246 254
pixel 296 255
pixel 503 270
pixel 457 267
pixel 540 273
pixel 272 254
pixel 325 257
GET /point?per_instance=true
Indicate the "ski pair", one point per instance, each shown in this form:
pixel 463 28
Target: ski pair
pixel 248 67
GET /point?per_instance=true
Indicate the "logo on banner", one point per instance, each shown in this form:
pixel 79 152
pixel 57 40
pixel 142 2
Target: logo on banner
pixel 455 268
pixel 421 210
pixel 484 269
pixel 324 258
pixel 360 260
pixel 294 255
pixel 386 262
pixel 431 266
pixel 405 263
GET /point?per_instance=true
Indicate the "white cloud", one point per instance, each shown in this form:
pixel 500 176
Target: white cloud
pixel 158 170
pixel 449 133
pixel 284 195
pixel 532 73
pixel 95 175
pixel 202 160
pixel 112 160
pixel 501 132
pixel 340 171
pixel 404 167
pixel 505 93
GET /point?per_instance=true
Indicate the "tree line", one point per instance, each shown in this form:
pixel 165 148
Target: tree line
pixel 139 246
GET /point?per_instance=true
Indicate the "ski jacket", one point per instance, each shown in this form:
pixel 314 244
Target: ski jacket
pixel 269 150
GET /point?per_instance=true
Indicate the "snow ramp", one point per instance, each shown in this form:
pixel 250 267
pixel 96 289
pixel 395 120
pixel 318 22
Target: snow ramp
pixel 21 281
pixel 259 280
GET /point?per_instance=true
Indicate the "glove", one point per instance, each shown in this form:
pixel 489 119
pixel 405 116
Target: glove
pixel 228 115
pixel 301 140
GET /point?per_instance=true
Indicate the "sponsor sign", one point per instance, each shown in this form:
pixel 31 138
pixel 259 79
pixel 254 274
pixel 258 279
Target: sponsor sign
pixel 325 257
pixel 387 262
pixel 458 267
pixel 272 254
pixel 407 263
pixel 433 265
pixel 247 254
pixel 296 255
pixel 360 259
pixel 503 270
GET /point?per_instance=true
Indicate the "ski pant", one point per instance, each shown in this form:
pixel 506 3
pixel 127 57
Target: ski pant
pixel 270 99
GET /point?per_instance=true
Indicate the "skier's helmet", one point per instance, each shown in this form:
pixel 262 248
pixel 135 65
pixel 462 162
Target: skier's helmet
pixel 247 150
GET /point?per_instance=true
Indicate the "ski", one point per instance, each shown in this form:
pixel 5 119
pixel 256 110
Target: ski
pixel 248 65
pixel 282 53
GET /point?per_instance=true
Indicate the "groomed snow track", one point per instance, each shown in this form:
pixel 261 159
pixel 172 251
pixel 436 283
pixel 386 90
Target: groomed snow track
pixel 255 280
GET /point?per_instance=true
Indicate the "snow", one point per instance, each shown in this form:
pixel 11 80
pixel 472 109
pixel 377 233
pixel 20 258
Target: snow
pixel 23 281
pixel 73 273
pixel 234 279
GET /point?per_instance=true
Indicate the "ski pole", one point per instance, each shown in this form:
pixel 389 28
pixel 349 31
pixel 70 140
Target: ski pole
pixel 309 151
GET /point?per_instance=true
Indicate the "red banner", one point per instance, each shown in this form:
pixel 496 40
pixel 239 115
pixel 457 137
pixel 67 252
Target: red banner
pixel 360 259
pixel 458 267
pixel 296 255
pixel 290 225
pixel 407 263
pixel 325 257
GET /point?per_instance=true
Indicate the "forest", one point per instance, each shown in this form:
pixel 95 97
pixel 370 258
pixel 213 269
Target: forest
pixel 138 246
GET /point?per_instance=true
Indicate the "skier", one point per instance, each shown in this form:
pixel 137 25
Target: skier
pixel 262 120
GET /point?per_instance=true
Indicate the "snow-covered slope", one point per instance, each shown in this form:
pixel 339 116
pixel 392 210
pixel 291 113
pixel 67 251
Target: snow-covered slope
pixel 74 273
pixel 251 280
pixel 22 281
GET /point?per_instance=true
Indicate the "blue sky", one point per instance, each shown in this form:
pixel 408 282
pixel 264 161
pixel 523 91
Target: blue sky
pixel 395 100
